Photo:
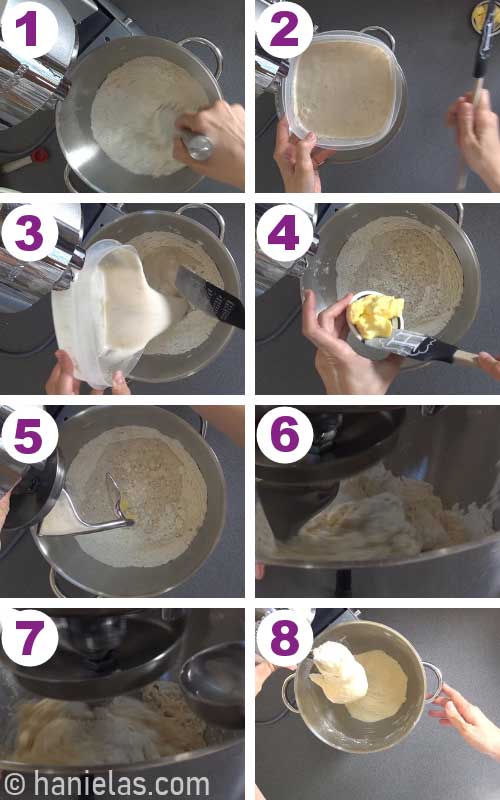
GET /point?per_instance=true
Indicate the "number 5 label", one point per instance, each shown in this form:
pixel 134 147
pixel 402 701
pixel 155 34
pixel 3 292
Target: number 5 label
pixel 29 233
pixel 285 233
pixel 29 29
pixel 284 638
pixel 285 435
pixel 29 637
pixel 285 30
pixel 29 434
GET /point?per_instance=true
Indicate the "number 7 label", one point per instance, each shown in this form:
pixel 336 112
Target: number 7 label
pixel 29 637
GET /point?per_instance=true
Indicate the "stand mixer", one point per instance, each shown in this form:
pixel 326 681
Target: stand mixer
pixel 37 487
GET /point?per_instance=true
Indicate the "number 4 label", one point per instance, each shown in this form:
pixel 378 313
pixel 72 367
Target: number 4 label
pixel 284 638
pixel 29 637
pixel 285 233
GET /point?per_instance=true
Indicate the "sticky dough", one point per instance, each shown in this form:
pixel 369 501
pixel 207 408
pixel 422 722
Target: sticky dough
pixel 387 686
pixel 341 677
pixel 344 90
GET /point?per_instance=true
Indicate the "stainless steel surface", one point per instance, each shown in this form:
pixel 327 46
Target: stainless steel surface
pixel 29 85
pixel 11 471
pixel 82 152
pixel 36 494
pixel 24 283
pixel 434 449
pixel 331 722
pixel 200 147
pixel 159 368
pixel 268 271
pixel 213 682
pixel 71 562
pixel 81 527
pixel 334 233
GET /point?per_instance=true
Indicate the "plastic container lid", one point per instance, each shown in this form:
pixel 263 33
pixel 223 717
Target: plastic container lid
pixel 78 315
pixel 294 121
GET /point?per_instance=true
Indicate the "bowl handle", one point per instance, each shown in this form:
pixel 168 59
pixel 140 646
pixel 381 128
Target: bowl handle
pixel 213 47
pixel 220 219
pixel 392 41
pixel 460 214
pixel 284 696
pixel 439 675
pixel 67 179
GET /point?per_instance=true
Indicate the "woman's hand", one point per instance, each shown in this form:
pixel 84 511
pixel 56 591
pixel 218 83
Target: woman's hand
pixel 478 731
pixel 62 379
pixel 298 164
pixel 477 136
pixel 225 127
pixel 341 369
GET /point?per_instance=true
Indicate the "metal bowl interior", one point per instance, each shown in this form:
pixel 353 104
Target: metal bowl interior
pixel 163 368
pixel 321 274
pixel 73 125
pixel 332 722
pixel 435 449
pixel 72 563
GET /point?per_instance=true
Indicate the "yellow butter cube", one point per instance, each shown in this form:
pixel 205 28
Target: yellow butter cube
pixel 372 315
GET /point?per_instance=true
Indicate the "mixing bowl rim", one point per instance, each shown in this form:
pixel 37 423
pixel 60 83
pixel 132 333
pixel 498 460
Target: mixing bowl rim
pixel 96 409
pixel 418 661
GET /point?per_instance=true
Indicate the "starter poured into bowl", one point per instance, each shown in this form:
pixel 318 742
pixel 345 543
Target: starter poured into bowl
pixel 344 90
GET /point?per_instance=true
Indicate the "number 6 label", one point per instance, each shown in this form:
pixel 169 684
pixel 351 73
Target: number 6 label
pixel 29 233
pixel 285 435
pixel 285 30
pixel 29 637
pixel 285 233
pixel 29 434
pixel 284 638
pixel 29 29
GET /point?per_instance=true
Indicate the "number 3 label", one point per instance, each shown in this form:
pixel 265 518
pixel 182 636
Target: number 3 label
pixel 284 638
pixel 285 30
pixel 29 233
pixel 285 435
pixel 285 233
pixel 29 434
pixel 29 637
pixel 29 29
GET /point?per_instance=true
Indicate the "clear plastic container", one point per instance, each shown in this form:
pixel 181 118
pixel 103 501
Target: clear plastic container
pixel 344 144
pixel 78 321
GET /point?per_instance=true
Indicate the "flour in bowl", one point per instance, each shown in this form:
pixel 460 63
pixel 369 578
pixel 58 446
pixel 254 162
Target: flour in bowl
pixel 401 256
pixel 161 254
pixel 163 491
pixel 124 113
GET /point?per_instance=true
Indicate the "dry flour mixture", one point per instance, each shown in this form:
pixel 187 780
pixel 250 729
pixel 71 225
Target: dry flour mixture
pixel 162 488
pixel 124 113
pixel 161 254
pixel 402 257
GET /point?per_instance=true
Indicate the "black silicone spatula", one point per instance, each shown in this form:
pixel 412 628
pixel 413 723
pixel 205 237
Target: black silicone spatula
pixel 209 298
pixel 423 348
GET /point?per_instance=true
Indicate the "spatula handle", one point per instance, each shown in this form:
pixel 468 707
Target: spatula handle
pixel 465 359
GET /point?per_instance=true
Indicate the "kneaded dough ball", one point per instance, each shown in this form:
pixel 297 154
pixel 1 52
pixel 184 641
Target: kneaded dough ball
pixel 334 658
pixel 341 690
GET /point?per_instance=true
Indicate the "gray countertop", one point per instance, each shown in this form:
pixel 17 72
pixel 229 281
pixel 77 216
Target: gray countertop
pixel 22 331
pixel 174 20
pixel 24 572
pixel 436 47
pixel 431 762
pixel 286 365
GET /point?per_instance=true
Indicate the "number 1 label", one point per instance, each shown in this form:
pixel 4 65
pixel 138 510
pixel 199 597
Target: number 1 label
pixel 29 29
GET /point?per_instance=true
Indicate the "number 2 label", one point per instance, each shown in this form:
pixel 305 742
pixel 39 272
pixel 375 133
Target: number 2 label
pixel 280 39
pixel 284 30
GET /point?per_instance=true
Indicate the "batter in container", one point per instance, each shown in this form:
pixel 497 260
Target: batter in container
pixel 344 90
pixel 124 115
pixel 163 490
pixel 401 256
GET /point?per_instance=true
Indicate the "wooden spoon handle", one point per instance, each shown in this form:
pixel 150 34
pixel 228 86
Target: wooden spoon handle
pixel 465 359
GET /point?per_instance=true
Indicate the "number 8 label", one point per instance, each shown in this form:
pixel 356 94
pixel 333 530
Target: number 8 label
pixel 285 435
pixel 285 30
pixel 284 637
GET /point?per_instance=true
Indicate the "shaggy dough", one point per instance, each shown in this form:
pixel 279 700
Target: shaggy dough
pixel 387 686
pixel 341 677
pixel 124 113
pixel 344 90
pixel 125 730
pixel 134 313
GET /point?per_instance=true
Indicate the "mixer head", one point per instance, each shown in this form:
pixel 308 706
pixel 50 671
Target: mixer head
pixel 103 653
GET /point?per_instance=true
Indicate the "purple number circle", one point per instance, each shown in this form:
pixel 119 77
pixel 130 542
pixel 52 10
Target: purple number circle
pixel 278 431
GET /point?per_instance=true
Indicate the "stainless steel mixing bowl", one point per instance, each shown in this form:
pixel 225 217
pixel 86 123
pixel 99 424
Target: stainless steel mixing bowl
pixel 163 368
pixel 321 275
pixel 66 556
pixel 331 722
pixel 457 451
pixel 73 125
